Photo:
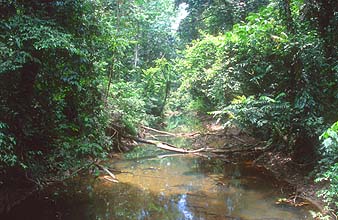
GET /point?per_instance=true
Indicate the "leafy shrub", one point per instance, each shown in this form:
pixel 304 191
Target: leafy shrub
pixel 7 146
pixel 126 106
pixel 264 117
pixel 156 86
pixel 328 165
pixel 201 66
pixel 288 91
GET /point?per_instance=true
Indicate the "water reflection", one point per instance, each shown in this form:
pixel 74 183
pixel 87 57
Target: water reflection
pixel 183 208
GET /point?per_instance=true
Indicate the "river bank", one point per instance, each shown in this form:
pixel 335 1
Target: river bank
pixel 299 178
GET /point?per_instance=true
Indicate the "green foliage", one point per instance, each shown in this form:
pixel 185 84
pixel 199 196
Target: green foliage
pixel 274 73
pixel 200 67
pixel 7 144
pixel 262 58
pixel 156 83
pixel 42 97
pixel 214 17
pixel 76 75
pixel 264 116
pixel 154 35
pixel 70 71
pixel 21 35
pixel 328 165
pixel 126 105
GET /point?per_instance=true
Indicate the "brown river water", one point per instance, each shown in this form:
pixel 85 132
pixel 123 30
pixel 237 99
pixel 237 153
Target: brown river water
pixel 169 187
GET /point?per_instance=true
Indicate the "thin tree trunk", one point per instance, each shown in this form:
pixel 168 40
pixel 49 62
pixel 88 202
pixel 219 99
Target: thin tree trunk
pixel 136 55
pixel 111 74
pixel 165 97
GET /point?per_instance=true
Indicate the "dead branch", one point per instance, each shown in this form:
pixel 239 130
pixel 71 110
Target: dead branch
pixel 110 179
pixel 158 131
pixel 170 147
pixel 313 202
pixel 168 155
pixel 238 138
pixel 113 177
pixel 165 133
pixel 167 146
pixel 230 151
pixel 191 134
pixel 86 166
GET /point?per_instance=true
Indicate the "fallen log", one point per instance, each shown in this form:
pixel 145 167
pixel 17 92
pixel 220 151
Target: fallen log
pixel 170 147
pixel 167 146
pixel 231 151
pixel 168 155
pixel 165 133
pixel 158 131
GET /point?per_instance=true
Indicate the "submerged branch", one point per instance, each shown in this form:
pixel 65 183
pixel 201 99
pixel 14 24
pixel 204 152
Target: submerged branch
pixel 113 177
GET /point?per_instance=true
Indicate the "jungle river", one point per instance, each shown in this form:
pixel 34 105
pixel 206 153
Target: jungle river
pixel 157 185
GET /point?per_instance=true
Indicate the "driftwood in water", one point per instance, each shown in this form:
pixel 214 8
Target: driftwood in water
pixel 113 177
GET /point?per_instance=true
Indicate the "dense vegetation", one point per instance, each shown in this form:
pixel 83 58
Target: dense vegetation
pixel 268 70
pixel 76 76
pixel 273 74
